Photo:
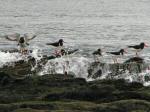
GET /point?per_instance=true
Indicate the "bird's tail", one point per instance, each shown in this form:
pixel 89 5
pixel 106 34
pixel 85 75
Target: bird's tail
pixel 48 43
pixel 130 46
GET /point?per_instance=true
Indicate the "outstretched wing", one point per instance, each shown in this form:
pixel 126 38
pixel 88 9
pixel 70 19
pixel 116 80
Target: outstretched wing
pixel 13 37
pixel 29 37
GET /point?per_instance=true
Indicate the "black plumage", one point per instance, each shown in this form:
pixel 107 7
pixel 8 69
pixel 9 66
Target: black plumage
pixel 137 47
pixel 98 52
pixel 120 52
pixel 56 44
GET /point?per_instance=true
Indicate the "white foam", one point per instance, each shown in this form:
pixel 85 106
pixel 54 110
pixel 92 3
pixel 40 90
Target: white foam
pixel 75 65
pixel 6 58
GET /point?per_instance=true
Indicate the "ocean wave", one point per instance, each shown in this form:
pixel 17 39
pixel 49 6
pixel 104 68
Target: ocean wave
pixel 80 66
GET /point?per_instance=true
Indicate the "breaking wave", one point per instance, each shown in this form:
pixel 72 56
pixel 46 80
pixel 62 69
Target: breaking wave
pixel 79 66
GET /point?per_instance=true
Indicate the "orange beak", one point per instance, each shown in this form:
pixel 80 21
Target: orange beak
pixel 145 45
pixel 125 51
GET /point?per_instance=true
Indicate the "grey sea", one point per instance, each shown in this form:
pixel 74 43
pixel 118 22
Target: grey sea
pixel 87 24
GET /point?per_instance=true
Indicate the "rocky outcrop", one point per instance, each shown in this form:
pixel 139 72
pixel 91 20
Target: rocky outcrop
pixel 131 66
pixel 57 93
pixel 22 68
pixel 29 65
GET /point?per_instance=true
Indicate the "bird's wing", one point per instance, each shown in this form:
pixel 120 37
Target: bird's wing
pixel 13 37
pixel 130 46
pixel 53 44
pixel 95 52
pixel 29 37
pixel 134 46
pixel 115 53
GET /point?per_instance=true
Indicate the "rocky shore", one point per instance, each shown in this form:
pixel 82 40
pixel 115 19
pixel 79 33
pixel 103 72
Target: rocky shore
pixel 61 93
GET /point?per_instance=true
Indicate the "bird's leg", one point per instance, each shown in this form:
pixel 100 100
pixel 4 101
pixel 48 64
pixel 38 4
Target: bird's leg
pixel 113 59
pixel 98 59
pixel 94 58
pixel 116 60
pixel 22 51
pixel 66 73
pixel 25 51
pixel 137 54
pixel 64 69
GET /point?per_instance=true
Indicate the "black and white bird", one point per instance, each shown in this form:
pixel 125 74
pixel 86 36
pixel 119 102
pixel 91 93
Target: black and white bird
pixel 22 40
pixel 97 54
pixel 117 53
pixel 57 44
pixel 139 47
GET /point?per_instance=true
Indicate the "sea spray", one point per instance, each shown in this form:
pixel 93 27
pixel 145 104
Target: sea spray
pixel 7 58
pixel 74 65
pixel 78 66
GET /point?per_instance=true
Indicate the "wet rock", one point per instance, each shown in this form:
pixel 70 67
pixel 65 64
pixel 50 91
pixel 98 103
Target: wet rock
pixel 13 51
pixel 135 60
pixel 133 65
pixel 58 92
pixel 29 65
pixel 23 68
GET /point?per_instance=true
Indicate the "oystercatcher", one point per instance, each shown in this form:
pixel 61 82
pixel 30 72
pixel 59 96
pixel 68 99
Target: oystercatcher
pixel 21 40
pixel 120 52
pixel 96 54
pixel 56 44
pixel 139 47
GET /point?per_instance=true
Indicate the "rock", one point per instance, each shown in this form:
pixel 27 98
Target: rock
pixel 133 65
pixel 22 68
pixel 135 60
pixel 58 92
pixel 14 51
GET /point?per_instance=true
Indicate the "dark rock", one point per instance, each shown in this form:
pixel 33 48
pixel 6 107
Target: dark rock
pixel 60 92
pixel 135 60
pixel 22 68
pixel 134 65
pixel 13 51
